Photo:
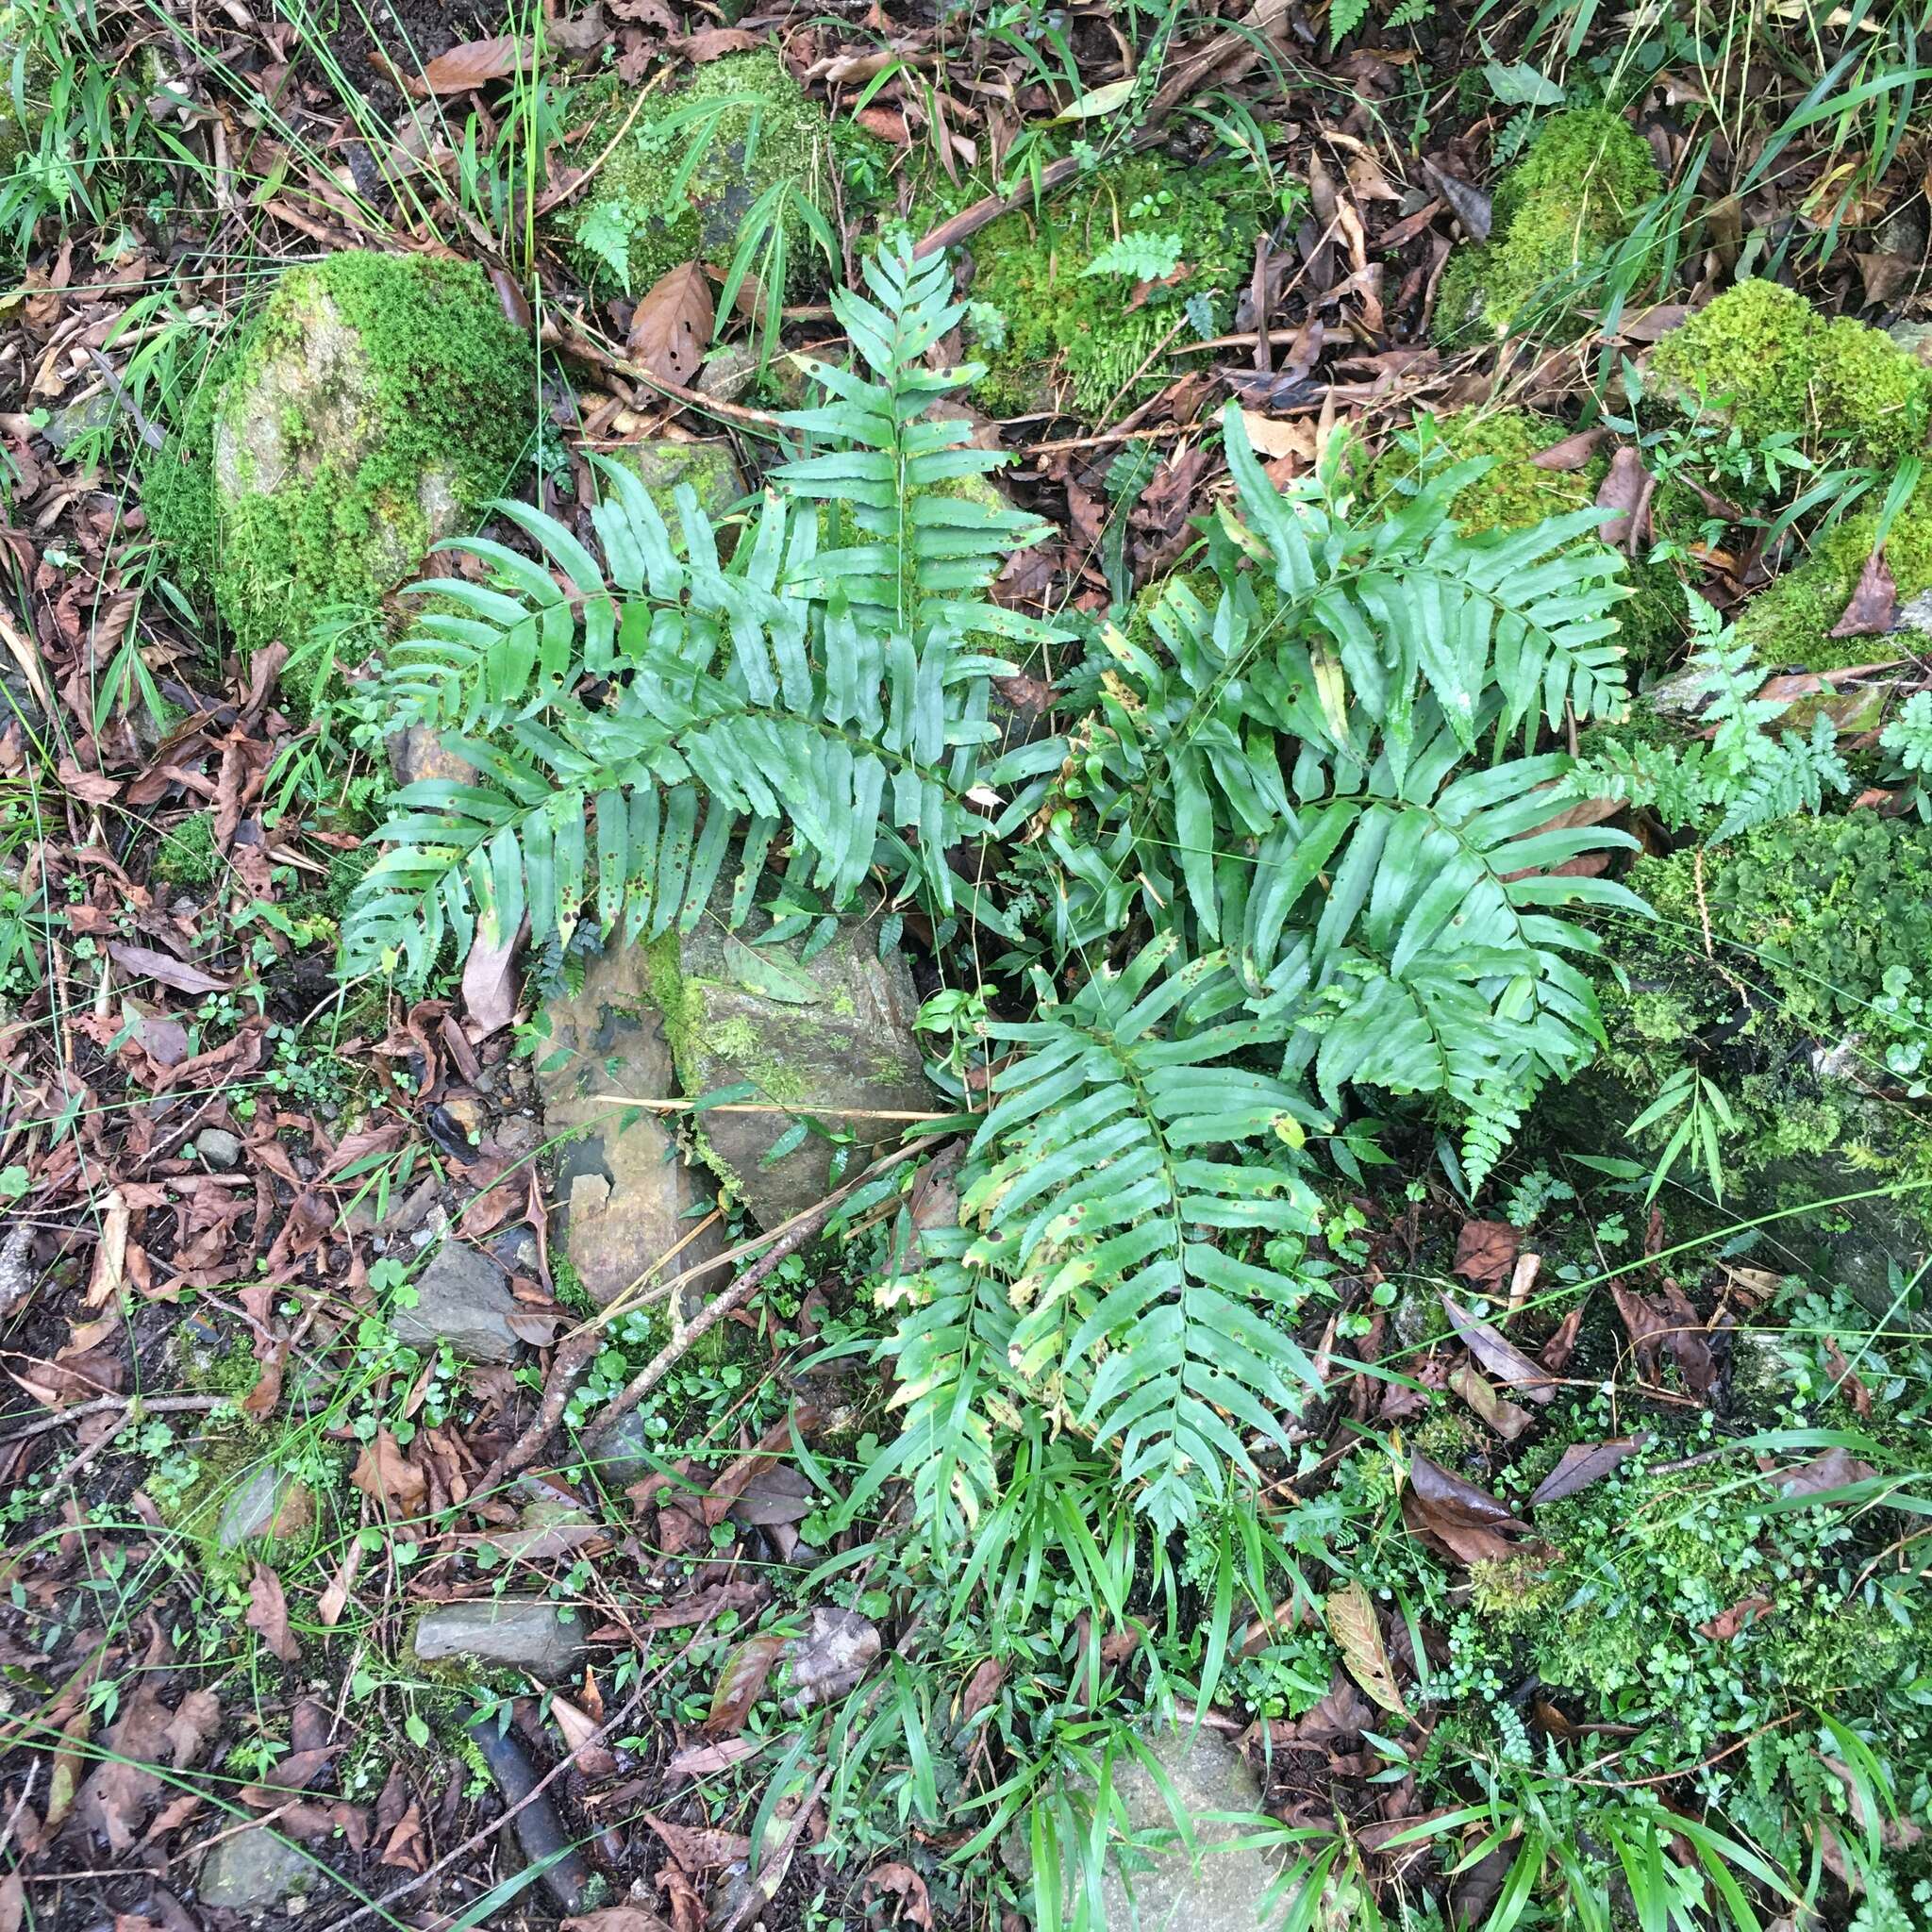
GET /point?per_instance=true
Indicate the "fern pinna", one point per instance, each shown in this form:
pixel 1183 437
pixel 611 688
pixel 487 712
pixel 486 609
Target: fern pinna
pixel 825 686
pixel 1297 846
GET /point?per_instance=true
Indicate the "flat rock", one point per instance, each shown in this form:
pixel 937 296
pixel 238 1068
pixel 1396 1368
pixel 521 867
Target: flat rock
pixel 463 1298
pixel 1219 1890
pixel 709 467
pixel 628 1197
pixel 830 1036
pixel 270 1503
pixel 254 1871
pixel 507 1633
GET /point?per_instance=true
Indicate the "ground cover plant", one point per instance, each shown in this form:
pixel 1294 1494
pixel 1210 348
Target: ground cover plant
pixel 964 972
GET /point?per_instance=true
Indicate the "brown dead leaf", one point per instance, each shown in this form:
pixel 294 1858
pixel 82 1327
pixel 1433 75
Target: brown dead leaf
pixel 1845 1381
pixel 699 1850
pixel 1558 1350
pixel 1495 1351
pixel 1504 1416
pixel 1690 1343
pixel 617 1919
pixel 387 1476
pixel 145 964
pixel 1647 1328
pixel 671 328
pixel 268 1613
pixel 1873 609
pixel 1727 1623
pixel 1626 489
pixel 908 1887
pixel 714 42
pixel 1836 1469
pixel 490 984
pixel 1572 452
pixel 982 1687
pixel 741 1683
pixel 1445 1510
pixel 1350 1614
pixel 1485 1251
pixel 472 65
pixel 707 1760
pixel 1582 1464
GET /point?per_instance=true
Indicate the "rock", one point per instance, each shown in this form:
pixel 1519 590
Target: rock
pixel 418 754
pixel 830 1036
pixel 504 1633
pixel 1915 613
pixel 254 1871
pixel 1914 338
pixel 788 376
pixel 710 469
pixel 270 1503
pixel 463 1298
pixel 373 406
pixel 620 1451
pixel 626 1196
pixel 66 425
pixel 1218 1891
pixel 218 1148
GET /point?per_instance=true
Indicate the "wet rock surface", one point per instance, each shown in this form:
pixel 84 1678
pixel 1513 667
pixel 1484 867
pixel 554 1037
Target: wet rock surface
pixel 504 1633
pixel 464 1298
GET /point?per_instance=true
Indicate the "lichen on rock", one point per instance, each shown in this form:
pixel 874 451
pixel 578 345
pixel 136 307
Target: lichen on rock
pixel 1577 194
pixel 1048 315
pixel 676 187
pixel 374 405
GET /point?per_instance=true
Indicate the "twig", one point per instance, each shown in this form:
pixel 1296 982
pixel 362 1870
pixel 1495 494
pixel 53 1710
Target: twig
pixel 101 1405
pixel 840 1113
pixel 570 340
pixel 1104 438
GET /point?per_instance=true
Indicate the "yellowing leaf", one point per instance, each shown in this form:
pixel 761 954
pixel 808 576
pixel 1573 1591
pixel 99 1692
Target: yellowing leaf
pixel 1358 1633
pixel 1103 100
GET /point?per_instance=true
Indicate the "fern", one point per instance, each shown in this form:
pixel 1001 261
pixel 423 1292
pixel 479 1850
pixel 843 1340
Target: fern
pixel 1740 776
pixel 831 695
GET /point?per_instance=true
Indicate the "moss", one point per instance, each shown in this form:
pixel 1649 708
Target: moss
pixel 1515 492
pixel 1792 621
pixel 753 127
pixel 186 855
pixel 1038 316
pixel 21 113
pixel 1575 194
pixel 440 387
pixel 1767 359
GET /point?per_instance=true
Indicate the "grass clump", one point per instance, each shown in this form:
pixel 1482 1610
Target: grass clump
pixel 1575 194
pixel 186 855
pixel 1764 356
pixel 678 186
pixel 1052 287
pixel 370 409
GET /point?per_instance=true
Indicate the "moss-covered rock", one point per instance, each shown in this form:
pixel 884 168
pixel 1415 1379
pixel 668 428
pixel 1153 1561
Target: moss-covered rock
pixel 678 186
pixel 826 1037
pixel 25 71
pixel 1575 194
pixel 709 468
pixel 1049 319
pixel 1765 359
pixel 1516 492
pixel 372 407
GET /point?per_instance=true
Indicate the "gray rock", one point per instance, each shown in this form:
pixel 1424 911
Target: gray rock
pixel 727 373
pixel 1915 613
pixel 626 1196
pixel 710 469
pixel 270 1503
pixel 504 1633
pixel 1915 338
pixel 620 1451
pixel 67 424
pixel 254 1871
pixel 830 1038
pixel 218 1148
pixel 1218 1891
pixel 461 1297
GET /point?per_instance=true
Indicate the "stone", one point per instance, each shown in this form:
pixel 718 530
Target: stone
pixel 620 1451
pixel 729 371
pixel 627 1198
pixel 67 424
pixel 1219 1891
pixel 1914 338
pixel 709 467
pixel 830 1036
pixel 255 1871
pixel 504 1633
pixel 418 752
pixel 270 1503
pixel 463 1298
pixel 218 1148
pixel 1915 613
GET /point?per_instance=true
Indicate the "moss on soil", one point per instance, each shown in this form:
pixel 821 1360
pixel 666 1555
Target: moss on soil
pixel 1031 268
pixel 1575 194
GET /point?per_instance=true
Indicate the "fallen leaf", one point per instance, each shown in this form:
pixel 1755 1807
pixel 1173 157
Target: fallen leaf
pixel 1504 1416
pixel 617 1919
pixel 472 64
pixel 672 325
pixel 915 1908
pixel 1582 1464
pixel 490 984
pixel 714 42
pixel 1558 1350
pixel 1572 452
pixel 741 1683
pixel 1465 1521
pixel 1485 1251
pixel 1690 1343
pixel 697 1850
pixel 1350 1614
pixel 1497 1353
pixel 833 1655
pixel 1837 1469
pixel 1470 203
pixel 982 1687
pixel 1646 1327
pixel 1626 489
pixel 707 1760
pixel 1843 1381
pixel 1727 1623
pixel 145 964
pixel 1274 436
pixel 386 1475
pixel 268 1613
pixel 1873 609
